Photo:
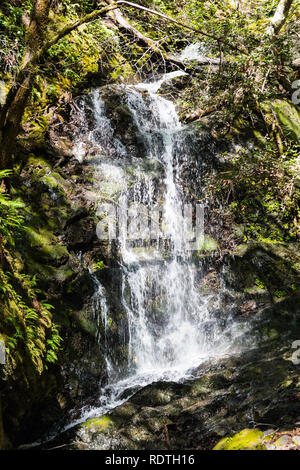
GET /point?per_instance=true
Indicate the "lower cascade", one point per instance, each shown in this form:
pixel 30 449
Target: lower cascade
pixel 166 326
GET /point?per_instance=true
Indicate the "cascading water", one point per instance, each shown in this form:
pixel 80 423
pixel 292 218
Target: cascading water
pixel 169 346
pixel 170 325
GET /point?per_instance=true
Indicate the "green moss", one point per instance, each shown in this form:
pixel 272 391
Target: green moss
pixel 102 424
pixel 38 162
pixel 46 243
pixel 260 138
pixel 53 180
pixel 289 117
pixel 286 383
pixel 269 333
pixel 87 325
pixel 200 387
pixel 248 439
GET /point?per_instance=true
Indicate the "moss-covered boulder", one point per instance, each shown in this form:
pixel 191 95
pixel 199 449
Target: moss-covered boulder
pixel 248 439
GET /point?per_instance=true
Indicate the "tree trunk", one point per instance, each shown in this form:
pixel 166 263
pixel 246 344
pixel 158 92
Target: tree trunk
pixel 123 24
pixel 36 49
pixel 279 17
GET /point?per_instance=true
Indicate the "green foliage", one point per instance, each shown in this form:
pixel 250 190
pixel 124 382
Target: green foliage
pixel 82 53
pixel 280 293
pixel 255 67
pixel 53 344
pixel 259 284
pixel 11 18
pixel 25 323
pixel 12 35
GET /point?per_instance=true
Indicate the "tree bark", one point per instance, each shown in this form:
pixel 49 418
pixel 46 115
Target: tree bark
pixel 122 23
pixel 37 28
pixel 11 128
pixel 167 18
pixel 14 107
pixel 279 17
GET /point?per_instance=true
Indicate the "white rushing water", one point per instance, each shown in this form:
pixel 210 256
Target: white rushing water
pixel 170 324
pixel 194 51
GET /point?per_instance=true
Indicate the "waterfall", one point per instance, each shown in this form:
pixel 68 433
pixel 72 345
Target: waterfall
pixel 171 345
pixel 171 326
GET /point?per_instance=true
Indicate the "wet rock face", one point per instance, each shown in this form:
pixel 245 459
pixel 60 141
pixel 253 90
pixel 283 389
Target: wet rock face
pixel 259 388
pixel 265 273
pixel 121 117
pixel 119 135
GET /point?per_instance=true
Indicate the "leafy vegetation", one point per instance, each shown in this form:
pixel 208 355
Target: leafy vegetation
pixel 261 191
pixel 254 65
pixel 26 323
pixel 259 185
pixel 10 218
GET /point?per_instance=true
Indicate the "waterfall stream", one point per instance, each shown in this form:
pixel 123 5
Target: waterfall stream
pixel 169 325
